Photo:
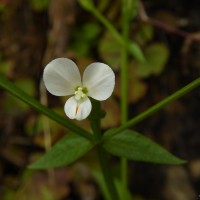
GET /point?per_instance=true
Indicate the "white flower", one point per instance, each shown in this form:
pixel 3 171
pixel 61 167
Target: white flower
pixel 62 77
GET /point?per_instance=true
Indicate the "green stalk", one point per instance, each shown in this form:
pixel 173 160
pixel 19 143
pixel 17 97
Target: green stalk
pixel 95 120
pixel 131 47
pixel 108 25
pixel 124 83
pixel 124 66
pixel 13 89
pixel 107 173
pixel 194 84
pixel 89 6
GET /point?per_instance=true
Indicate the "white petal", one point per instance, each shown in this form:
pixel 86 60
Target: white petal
pixel 71 107
pixel 61 77
pixel 84 109
pixel 99 79
pixel 78 109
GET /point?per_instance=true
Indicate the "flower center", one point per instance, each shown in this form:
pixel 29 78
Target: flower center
pixel 80 92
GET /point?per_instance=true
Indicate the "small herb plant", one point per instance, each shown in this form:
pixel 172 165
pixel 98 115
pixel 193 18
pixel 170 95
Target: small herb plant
pixel 62 78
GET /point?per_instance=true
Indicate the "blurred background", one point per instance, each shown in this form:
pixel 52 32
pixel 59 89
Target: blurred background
pixel 33 32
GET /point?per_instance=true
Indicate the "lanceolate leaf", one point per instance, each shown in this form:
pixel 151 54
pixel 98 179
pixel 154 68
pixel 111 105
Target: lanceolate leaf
pixel 65 152
pixel 134 146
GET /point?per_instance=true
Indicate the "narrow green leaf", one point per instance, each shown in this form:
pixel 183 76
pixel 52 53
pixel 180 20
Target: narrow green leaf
pixel 16 91
pixel 65 152
pixel 134 146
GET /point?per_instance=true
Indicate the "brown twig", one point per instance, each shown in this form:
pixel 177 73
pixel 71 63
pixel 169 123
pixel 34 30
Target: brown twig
pixel 145 18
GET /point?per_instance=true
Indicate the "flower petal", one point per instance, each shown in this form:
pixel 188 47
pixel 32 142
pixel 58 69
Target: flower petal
pixel 84 109
pixel 99 79
pixel 70 107
pixel 61 77
pixel 78 109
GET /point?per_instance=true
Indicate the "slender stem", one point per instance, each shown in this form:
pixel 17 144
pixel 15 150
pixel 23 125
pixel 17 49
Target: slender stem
pixel 95 120
pixel 162 25
pixel 124 83
pixel 108 25
pixel 124 67
pixel 131 47
pixel 107 173
pixel 194 84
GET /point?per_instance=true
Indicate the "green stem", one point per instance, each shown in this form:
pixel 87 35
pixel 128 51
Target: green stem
pixel 132 47
pixel 124 83
pixel 95 120
pixel 107 173
pixel 194 84
pixel 88 5
pixel 13 89
pixel 108 25
pixel 124 69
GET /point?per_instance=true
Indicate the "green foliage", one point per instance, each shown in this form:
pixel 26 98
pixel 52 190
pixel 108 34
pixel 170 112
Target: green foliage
pixel 133 8
pixel 134 146
pixel 137 87
pixel 40 5
pixel 130 8
pixel 122 142
pixel 156 56
pixel 110 50
pixel 136 52
pixel 9 195
pixel 123 192
pixel 144 34
pixel 2 7
pixel 66 151
pixel 101 182
pixel 87 4
pixel 82 45
pixel 120 189
pixel 132 47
